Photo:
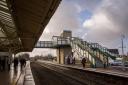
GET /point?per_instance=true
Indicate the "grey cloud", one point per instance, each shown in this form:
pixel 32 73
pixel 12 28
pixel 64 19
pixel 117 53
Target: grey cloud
pixel 117 13
pixel 66 17
pixel 88 4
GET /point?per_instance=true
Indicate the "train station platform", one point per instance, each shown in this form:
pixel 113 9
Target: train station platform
pixel 26 77
pixel 18 77
pixel 4 78
pixel 9 77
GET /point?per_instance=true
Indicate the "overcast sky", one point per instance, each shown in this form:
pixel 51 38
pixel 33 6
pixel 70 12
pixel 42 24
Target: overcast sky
pixel 101 21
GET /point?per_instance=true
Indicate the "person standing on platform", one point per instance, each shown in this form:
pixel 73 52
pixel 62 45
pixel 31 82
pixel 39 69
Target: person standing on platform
pixel 83 62
pixel 21 63
pixel 74 60
pixel 68 60
pixel 3 63
pixel 16 63
pixel 9 63
pixel 0 64
pixel 71 60
pixel 24 62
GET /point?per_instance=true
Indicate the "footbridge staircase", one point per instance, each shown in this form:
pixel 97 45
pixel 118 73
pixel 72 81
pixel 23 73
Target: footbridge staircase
pixel 97 55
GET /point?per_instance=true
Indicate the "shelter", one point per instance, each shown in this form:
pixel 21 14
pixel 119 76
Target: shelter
pixel 22 22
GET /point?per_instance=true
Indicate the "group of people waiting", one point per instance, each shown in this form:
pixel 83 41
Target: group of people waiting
pixel 70 60
pixel 22 62
pixel 5 63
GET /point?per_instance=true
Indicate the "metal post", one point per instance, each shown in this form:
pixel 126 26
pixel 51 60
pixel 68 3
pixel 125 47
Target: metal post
pixel 59 56
pixel 123 61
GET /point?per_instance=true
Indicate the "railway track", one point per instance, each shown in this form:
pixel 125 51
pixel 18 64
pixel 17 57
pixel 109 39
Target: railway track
pixel 44 73
pixel 74 76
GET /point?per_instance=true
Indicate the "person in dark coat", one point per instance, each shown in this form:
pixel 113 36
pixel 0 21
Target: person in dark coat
pixel 74 60
pixel 3 63
pixel 22 63
pixel 68 60
pixel 83 62
pixel 8 63
pixel 0 64
pixel 16 63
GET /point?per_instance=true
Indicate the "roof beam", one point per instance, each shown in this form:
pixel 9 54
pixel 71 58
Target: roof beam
pixel 3 4
pixel 7 32
pixel 4 10
pixel 8 23
pixel 5 15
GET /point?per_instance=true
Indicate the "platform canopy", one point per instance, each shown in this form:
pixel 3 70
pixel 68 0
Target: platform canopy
pixel 22 22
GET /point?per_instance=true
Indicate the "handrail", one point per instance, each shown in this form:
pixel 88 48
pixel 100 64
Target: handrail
pixel 81 54
pixel 87 46
pixel 102 50
pixel 90 56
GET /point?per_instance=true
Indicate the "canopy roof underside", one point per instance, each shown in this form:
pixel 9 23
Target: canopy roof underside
pixel 23 21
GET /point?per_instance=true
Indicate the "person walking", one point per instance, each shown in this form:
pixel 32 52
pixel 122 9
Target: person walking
pixel 68 60
pixel 8 63
pixel 15 63
pixel 21 63
pixel 71 60
pixel 3 63
pixel 24 62
pixel 83 62
pixel 0 64
pixel 74 60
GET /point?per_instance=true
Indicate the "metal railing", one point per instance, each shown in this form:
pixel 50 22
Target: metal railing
pixel 56 41
pixel 44 44
pixel 93 51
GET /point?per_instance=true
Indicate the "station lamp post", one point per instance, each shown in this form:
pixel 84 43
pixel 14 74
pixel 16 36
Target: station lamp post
pixel 123 59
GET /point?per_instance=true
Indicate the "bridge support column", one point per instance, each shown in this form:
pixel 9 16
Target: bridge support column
pixel 62 53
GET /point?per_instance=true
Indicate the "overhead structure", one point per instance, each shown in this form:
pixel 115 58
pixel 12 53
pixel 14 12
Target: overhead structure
pixel 22 22
pixel 9 39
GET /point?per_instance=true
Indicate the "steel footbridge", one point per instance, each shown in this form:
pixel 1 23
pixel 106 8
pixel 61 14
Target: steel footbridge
pixel 97 55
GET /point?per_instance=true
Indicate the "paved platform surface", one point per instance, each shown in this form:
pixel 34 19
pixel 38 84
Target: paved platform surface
pixel 10 77
pixel 26 77
pixel 4 78
pixel 117 69
pixel 17 77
